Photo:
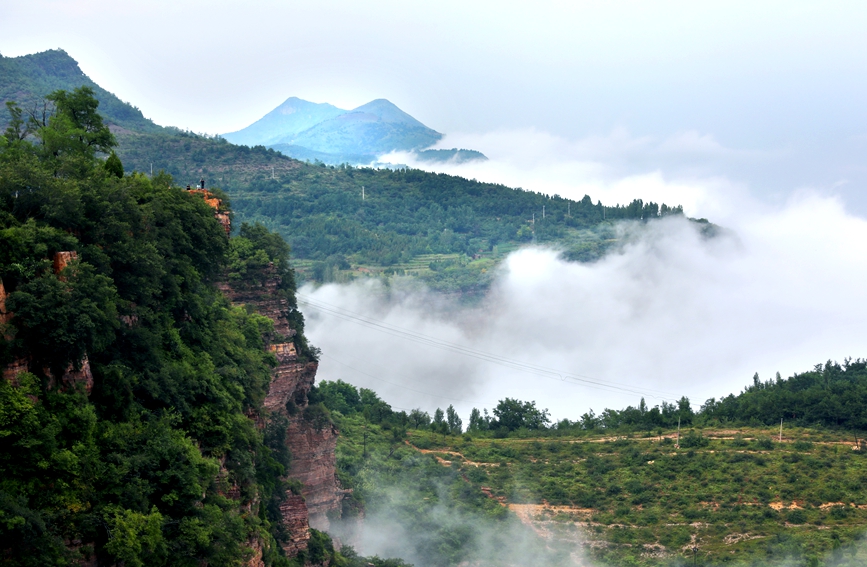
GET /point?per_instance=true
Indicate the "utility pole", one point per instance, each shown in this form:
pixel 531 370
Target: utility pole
pixel 272 172
pixel 569 210
pixel 543 212
pixel 152 170
pixel 362 192
pixel 781 430
pixel 677 445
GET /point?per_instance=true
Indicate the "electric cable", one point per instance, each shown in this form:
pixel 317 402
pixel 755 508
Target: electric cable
pixel 393 330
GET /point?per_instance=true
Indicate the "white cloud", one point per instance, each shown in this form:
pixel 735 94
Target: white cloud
pixel 673 312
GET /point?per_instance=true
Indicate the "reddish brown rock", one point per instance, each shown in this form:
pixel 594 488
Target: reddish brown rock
pixel 256 560
pixel 14 368
pixel 4 315
pixel 294 512
pixel 72 378
pixel 220 213
pixel 61 260
pixel 311 445
pixel 314 464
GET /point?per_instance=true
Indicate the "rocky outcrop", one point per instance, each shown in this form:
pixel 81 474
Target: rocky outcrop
pixel 220 212
pixel 311 443
pixel 73 377
pixel 314 463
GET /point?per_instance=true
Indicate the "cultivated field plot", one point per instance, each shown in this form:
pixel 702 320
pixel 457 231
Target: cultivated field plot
pixel 717 496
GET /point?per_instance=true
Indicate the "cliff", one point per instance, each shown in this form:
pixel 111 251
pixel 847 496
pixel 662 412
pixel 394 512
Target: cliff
pixel 311 443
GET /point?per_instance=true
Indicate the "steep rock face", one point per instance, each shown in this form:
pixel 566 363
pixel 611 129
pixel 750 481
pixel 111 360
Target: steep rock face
pixel 311 444
pixel 295 518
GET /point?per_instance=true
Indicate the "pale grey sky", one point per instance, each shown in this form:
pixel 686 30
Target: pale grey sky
pixel 778 87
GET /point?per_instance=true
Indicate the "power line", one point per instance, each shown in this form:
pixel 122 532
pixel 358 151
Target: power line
pixel 412 336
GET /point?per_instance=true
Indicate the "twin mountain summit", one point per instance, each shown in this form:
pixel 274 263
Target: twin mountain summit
pixel 320 131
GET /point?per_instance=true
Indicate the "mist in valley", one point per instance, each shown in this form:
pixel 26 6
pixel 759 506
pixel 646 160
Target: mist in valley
pixel 671 312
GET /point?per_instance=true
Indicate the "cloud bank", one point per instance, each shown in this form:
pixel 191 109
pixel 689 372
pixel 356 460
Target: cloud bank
pixel 673 313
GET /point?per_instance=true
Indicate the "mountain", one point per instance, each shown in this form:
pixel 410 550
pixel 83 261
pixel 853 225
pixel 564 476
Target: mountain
pixel 28 78
pixel 375 128
pixel 290 118
pixel 322 132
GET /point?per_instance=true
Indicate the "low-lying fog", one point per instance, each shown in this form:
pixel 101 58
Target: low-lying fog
pixel 671 314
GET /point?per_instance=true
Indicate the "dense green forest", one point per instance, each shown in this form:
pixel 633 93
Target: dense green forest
pixel 137 471
pixel 624 488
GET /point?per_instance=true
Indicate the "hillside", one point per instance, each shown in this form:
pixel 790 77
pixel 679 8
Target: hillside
pixel 513 490
pixel 446 230
pixel 28 78
pixel 154 403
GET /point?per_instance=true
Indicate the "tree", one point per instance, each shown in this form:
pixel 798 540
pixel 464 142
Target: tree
pixel 113 165
pixel 76 117
pixel 419 418
pixel 477 422
pixel 438 417
pixel 454 422
pixel 514 414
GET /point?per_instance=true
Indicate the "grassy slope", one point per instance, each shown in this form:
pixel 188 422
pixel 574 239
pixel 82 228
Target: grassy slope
pixel 737 495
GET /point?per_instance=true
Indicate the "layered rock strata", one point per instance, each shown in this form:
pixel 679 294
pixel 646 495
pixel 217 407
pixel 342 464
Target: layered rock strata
pixel 312 445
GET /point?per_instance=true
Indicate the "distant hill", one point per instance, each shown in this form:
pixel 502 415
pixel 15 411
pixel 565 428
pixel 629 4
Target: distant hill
pixel 322 132
pixel 375 128
pixel 287 120
pixel 372 129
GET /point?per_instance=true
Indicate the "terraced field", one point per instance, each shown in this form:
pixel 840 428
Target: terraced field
pixel 721 496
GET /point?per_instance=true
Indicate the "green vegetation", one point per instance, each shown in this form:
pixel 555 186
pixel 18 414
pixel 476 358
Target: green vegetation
pixel 624 488
pixel 447 230
pixel 162 463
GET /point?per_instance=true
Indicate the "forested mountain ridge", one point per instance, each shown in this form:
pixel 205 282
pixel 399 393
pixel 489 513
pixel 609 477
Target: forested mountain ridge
pixel 142 144
pixel 149 361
